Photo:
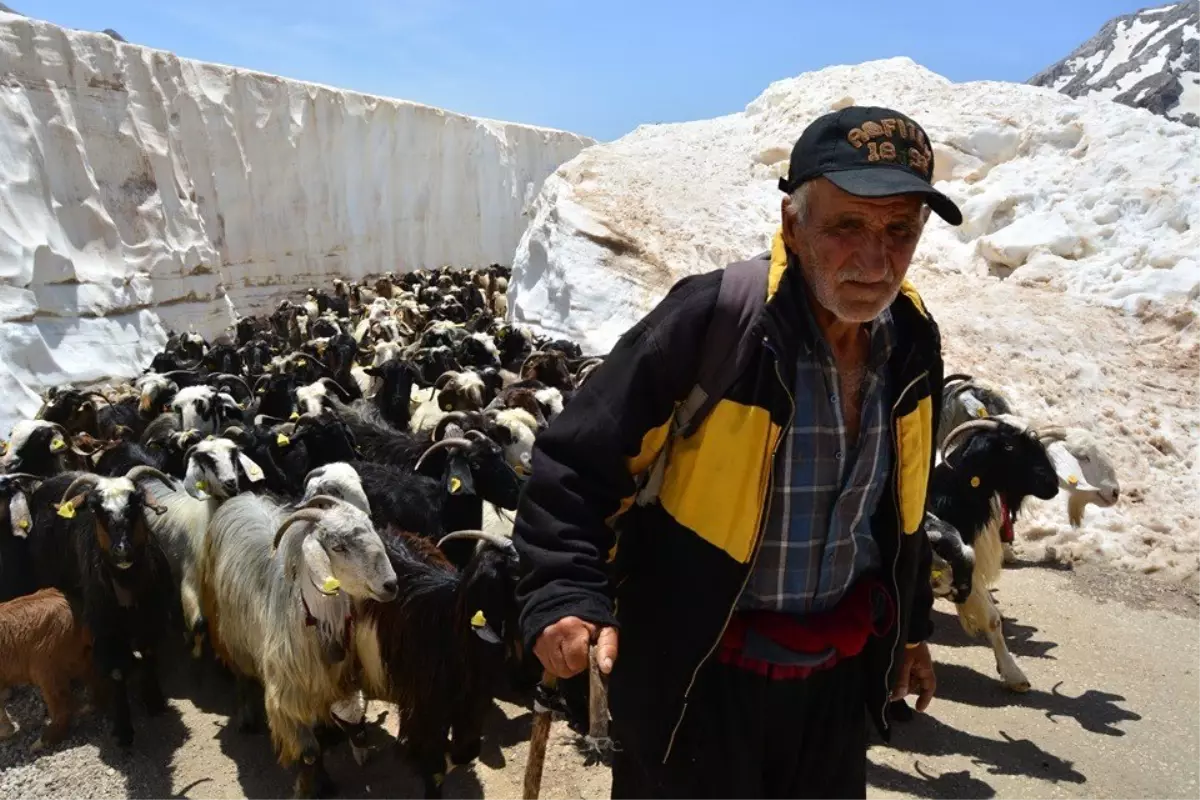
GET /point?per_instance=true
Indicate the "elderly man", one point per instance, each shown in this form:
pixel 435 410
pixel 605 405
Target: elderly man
pixel 773 594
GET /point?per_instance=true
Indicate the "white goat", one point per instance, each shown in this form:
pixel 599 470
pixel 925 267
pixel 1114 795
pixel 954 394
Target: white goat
pixel 281 595
pixel 213 469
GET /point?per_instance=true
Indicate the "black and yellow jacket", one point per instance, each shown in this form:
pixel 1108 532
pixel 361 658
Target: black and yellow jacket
pixel 671 582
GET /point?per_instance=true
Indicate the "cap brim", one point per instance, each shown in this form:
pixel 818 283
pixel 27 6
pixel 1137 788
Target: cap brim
pixel 876 182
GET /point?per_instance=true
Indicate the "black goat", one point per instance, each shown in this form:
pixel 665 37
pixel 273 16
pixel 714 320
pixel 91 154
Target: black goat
pixel 462 620
pixel 16 576
pixel 37 447
pixel 89 539
pixel 977 491
pixel 394 396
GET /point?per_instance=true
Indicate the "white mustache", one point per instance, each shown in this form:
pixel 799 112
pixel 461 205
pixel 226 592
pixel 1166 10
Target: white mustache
pixel 858 276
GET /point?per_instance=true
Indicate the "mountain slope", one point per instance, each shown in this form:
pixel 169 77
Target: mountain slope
pixel 1149 59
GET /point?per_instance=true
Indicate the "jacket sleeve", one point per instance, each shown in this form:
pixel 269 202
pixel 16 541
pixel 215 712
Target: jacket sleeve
pixel 921 613
pixel 584 462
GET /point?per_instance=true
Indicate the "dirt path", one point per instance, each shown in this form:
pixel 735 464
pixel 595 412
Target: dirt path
pixel 1115 712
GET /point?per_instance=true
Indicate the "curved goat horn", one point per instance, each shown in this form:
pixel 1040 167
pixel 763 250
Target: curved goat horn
pixel 143 471
pixel 1051 433
pixel 87 479
pixel 496 540
pixel 956 377
pixel 444 422
pixel 21 476
pixel 225 376
pixel 948 443
pixel 440 445
pixel 303 515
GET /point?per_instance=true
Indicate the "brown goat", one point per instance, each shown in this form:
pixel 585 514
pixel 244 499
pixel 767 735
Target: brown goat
pixel 42 643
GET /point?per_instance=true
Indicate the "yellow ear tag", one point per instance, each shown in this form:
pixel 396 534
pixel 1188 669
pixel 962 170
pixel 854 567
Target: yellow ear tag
pixel 478 620
pixel 23 524
pixel 937 573
pixel 282 441
pixel 975 481
pixel 981 412
pixel 455 485
pixel 295 416
pixel 66 510
pixel 202 486
pixel 331 585
pixel 254 472
pixel 57 445
pixel 1072 479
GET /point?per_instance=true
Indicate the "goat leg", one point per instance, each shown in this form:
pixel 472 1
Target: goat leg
pixel 308 769
pixel 117 691
pixel 152 693
pixel 249 705
pixel 56 692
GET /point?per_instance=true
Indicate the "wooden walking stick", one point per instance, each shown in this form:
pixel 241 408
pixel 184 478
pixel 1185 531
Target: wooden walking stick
pixel 597 747
pixel 542 717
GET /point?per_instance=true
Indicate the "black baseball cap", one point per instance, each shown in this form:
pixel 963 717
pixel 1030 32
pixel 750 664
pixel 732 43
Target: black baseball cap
pixel 869 151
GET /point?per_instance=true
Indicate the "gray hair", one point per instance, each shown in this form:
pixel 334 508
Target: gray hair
pixel 798 200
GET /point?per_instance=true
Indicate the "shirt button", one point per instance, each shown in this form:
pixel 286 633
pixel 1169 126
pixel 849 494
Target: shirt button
pixel 833 398
pixel 838 455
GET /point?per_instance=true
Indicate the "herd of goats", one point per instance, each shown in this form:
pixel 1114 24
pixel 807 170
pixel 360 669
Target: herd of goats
pixel 302 501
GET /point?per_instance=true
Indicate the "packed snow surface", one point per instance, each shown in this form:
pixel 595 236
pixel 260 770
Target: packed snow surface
pixel 140 191
pixel 1073 282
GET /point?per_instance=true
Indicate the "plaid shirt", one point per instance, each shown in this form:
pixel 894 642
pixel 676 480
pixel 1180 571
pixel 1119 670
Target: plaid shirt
pixel 817 541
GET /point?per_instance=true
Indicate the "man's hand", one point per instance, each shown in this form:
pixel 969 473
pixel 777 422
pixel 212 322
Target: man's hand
pixel 563 647
pixel 915 676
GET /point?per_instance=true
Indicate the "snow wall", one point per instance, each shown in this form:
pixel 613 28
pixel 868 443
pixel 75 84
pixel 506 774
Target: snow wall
pixel 141 192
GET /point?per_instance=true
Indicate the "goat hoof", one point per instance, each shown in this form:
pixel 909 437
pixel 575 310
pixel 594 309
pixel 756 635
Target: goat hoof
pixel 37 746
pixel 7 731
pixel 1020 687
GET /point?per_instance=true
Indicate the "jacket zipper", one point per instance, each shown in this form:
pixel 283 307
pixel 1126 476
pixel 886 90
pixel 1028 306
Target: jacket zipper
pixel 750 571
pixel 887 690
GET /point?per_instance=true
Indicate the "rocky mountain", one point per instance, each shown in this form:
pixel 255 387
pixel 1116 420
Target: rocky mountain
pixel 1149 59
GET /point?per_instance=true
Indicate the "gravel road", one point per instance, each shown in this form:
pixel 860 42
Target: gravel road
pixel 1114 712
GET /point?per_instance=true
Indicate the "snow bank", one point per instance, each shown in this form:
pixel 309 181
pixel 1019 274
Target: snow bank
pixel 1085 196
pixel 1074 280
pixel 138 190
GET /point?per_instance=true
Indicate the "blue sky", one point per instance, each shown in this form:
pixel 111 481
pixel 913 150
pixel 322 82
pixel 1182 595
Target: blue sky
pixel 594 68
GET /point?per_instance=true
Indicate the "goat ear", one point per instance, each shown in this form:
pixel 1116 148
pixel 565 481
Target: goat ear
pixel 253 471
pixel 320 570
pixel 18 513
pixel 1068 468
pixel 193 482
pixel 459 480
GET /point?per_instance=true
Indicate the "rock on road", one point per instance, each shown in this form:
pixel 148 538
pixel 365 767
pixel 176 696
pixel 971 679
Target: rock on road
pixel 1114 712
